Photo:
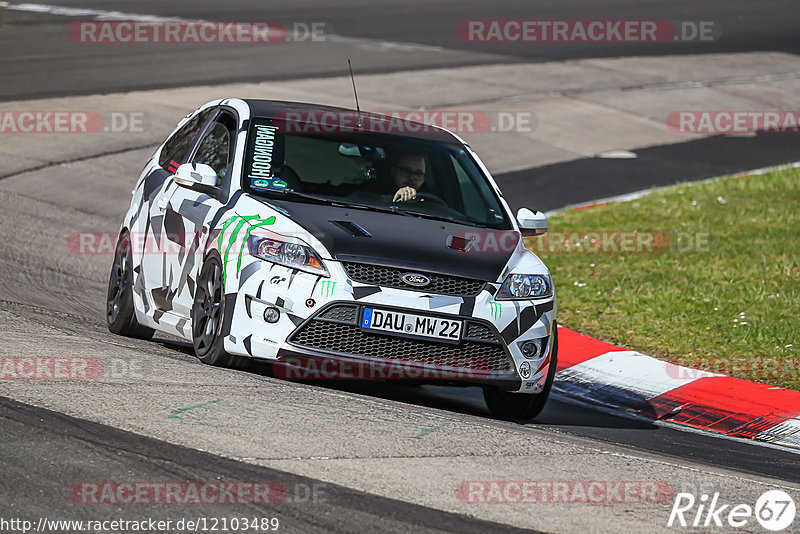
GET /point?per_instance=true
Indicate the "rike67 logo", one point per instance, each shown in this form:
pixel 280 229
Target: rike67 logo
pixel 774 510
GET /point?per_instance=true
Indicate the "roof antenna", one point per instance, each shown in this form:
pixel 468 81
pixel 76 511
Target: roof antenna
pixel 352 78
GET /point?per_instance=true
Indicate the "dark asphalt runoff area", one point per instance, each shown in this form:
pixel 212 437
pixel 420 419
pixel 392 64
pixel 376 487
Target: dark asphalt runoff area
pixel 588 179
pixel 43 452
pixel 39 60
pixel 641 434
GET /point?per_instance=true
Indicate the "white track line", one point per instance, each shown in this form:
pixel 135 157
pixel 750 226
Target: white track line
pixel 104 15
pixel 97 14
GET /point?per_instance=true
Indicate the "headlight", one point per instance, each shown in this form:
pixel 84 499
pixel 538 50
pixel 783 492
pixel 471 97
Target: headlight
pixel 525 286
pixel 294 255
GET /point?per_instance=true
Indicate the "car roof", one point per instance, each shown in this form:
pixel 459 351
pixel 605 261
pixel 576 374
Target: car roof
pixel 398 125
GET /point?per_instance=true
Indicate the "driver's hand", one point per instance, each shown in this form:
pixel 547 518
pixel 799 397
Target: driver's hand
pixel 405 193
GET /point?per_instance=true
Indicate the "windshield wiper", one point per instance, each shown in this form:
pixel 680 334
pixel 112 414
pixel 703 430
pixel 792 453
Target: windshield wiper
pixel 444 218
pixel 307 196
pixel 395 209
pixel 389 209
pixel 339 203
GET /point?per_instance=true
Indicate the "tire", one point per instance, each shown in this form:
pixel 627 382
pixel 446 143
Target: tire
pixel 505 405
pixel 120 314
pixel 208 315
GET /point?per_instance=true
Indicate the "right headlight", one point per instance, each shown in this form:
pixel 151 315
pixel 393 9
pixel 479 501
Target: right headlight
pixel 525 286
pixel 288 254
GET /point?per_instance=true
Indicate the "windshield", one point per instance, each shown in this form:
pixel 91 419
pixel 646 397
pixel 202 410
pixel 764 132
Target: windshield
pixel 407 175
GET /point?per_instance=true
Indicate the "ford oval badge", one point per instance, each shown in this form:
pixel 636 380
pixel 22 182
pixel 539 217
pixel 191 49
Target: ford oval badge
pixel 416 280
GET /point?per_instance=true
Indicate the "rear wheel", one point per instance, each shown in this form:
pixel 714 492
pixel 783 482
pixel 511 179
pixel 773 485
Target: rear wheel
pixel 120 314
pixel 520 405
pixel 208 313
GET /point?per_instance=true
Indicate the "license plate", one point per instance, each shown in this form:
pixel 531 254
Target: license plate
pixel 411 325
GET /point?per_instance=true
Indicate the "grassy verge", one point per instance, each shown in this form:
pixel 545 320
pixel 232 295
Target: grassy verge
pixel 710 280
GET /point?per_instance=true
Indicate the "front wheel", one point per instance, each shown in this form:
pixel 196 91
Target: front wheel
pixel 120 313
pixel 208 312
pixel 507 405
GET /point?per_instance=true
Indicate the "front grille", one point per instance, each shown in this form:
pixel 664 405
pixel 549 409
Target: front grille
pixel 478 331
pixel 480 349
pixel 441 284
pixel 344 314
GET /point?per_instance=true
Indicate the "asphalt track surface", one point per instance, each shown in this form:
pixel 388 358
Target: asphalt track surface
pixel 70 449
pixel 588 179
pixel 36 60
pixel 44 452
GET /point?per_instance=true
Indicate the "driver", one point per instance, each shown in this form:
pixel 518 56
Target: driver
pixel 408 175
pixel 401 179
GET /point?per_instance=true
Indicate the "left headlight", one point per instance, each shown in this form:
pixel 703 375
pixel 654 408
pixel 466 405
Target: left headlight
pixel 293 255
pixel 525 286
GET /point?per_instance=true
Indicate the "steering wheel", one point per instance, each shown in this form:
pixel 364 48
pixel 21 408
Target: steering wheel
pixel 429 197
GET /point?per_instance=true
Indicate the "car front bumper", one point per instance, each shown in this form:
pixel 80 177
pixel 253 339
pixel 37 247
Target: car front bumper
pixel 479 358
pixel 318 336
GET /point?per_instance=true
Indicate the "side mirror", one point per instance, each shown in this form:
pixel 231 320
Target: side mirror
pixel 531 223
pixel 192 174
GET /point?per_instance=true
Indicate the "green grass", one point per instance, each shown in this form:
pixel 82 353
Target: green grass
pixel 685 304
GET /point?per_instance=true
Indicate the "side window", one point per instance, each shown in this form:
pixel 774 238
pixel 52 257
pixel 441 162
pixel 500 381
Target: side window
pixel 176 150
pixel 216 147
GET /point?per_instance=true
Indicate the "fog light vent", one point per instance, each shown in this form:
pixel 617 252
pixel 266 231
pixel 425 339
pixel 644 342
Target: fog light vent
pixel 271 315
pixel 531 348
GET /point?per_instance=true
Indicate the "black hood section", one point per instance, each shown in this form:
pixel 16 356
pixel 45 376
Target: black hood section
pixel 407 242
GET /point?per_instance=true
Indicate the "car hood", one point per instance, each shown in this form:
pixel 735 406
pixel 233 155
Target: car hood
pixel 409 242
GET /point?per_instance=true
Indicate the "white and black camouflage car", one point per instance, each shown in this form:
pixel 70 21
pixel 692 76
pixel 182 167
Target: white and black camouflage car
pixel 336 244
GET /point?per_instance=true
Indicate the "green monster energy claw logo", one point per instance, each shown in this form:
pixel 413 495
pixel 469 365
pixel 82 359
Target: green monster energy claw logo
pixel 497 310
pixel 326 288
pixel 252 222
